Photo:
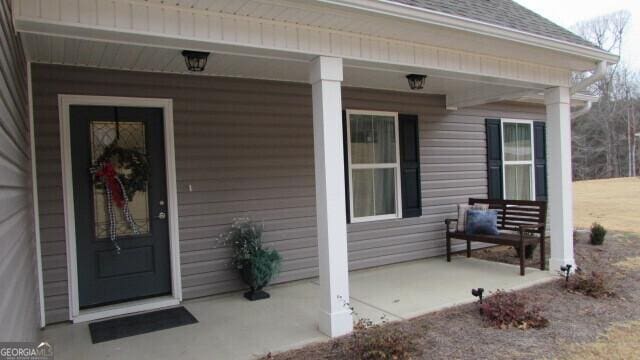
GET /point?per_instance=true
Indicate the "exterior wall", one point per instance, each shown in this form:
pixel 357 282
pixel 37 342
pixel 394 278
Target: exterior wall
pixel 246 149
pixel 453 168
pixel 19 307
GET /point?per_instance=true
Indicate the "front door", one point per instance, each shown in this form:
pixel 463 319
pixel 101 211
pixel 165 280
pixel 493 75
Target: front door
pixel 120 202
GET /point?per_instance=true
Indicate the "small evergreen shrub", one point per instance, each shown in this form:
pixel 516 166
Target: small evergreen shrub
pixel 595 284
pixel 510 309
pixel 598 233
pixel 264 265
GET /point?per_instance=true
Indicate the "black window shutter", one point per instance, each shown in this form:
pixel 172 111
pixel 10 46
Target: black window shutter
pixel 540 159
pixel 345 145
pixel 494 159
pixel 410 165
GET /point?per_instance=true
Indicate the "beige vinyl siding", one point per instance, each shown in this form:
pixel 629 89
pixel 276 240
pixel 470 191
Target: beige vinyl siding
pixel 246 149
pixel 19 307
pixel 453 169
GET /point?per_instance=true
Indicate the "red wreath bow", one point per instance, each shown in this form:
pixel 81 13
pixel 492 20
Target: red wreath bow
pixel 108 175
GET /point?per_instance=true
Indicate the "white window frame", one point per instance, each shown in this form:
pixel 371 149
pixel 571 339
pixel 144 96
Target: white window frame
pixel 530 162
pixel 396 166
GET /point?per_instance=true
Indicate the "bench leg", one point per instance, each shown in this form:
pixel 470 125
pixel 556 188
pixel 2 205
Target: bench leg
pixel 448 248
pixel 542 252
pixel 521 259
pixel 468 248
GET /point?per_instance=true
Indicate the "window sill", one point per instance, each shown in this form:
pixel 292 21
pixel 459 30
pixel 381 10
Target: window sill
pixel 375 218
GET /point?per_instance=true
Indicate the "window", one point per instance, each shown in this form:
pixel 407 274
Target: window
pixel 374 165
pixel 517 152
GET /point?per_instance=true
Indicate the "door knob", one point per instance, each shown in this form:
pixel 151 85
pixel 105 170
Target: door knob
pixel 162 215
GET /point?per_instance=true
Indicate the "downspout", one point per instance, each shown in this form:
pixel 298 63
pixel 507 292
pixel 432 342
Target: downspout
pixel 598 74
pixel 585 109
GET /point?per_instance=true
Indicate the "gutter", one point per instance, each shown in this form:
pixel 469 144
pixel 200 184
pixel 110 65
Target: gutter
pixel 413 13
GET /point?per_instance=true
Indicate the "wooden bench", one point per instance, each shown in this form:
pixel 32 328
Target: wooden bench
pixel 520 223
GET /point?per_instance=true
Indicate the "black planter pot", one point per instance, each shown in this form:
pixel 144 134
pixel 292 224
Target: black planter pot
pixel 255 292
pixel 253 295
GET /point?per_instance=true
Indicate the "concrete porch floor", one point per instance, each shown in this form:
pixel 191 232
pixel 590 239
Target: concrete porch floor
pixel 231 327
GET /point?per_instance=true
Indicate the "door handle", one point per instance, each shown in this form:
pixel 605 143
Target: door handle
pixel 162 215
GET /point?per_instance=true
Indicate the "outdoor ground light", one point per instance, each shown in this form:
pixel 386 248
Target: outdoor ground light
pixel 195 60
pixel 416 81
pixel 566 269
pixel 478 293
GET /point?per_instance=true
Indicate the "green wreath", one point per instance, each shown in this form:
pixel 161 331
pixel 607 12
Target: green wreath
pixel 135 164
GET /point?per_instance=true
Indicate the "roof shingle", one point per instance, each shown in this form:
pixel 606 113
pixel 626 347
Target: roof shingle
pixel 506 13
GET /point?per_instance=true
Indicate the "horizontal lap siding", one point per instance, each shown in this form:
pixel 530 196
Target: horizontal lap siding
pixel 246 149
pixel 19 312
pixel 453 168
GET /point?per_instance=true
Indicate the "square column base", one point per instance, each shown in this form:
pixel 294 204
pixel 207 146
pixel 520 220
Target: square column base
pixel 335 324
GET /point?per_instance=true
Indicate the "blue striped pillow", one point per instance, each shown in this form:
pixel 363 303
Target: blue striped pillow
pixel 482 222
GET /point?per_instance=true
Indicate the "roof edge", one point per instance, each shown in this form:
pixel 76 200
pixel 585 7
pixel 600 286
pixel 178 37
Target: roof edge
pixel 409 12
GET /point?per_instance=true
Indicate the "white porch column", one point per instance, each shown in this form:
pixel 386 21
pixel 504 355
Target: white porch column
pixel 560 186
pixel 325 77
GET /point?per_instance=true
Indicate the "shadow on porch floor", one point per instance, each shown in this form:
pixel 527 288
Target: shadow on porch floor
pixel 232 328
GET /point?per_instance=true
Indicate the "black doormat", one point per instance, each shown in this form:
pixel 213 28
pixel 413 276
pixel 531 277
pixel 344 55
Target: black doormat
pixel 140 324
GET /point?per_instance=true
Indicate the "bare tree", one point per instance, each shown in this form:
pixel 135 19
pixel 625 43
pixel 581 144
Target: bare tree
pixel 604 139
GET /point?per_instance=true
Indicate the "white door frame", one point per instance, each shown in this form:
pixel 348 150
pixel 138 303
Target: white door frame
pixel 75 314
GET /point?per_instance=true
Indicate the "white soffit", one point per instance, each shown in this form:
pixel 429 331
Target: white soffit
pixel 350 27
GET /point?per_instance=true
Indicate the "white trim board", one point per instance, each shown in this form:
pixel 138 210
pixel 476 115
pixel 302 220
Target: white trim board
pixel 395 166
pixel 64 101
pixel 130 307
pixel 34 200
pixel 531 162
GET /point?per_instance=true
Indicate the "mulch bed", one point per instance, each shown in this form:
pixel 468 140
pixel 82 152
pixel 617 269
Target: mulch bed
pixel 460 332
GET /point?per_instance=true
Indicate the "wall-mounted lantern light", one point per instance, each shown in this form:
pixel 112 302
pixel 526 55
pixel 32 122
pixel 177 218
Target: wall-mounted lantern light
pixel 416 81
pixel 195 60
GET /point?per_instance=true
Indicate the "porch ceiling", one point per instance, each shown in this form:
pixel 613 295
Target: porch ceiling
pixel 461 91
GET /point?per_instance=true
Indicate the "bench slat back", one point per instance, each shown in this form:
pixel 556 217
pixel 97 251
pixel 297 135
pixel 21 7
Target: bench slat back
pixel 512 213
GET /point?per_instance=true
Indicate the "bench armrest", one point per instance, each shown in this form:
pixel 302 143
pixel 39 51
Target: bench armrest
pixel 448 223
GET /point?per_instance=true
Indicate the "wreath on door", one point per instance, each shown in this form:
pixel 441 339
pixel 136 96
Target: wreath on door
pixel 122 172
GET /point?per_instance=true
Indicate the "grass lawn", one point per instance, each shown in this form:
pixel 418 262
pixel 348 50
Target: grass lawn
pixel 615 203
pixel 579 327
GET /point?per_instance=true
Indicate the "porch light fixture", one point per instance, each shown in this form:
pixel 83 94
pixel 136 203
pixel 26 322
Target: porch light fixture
pixel 195 60
pixel 416 81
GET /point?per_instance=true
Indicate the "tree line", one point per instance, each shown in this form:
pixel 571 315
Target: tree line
pixel 603 140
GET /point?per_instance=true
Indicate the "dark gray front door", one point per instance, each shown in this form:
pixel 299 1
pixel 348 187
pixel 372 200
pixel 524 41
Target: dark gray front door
pixel 141 268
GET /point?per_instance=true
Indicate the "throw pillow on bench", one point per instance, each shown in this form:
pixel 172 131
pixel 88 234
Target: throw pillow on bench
pixel 482 222
pixel 461 225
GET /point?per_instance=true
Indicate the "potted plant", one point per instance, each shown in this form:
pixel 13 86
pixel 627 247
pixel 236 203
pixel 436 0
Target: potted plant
pixel 257 266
